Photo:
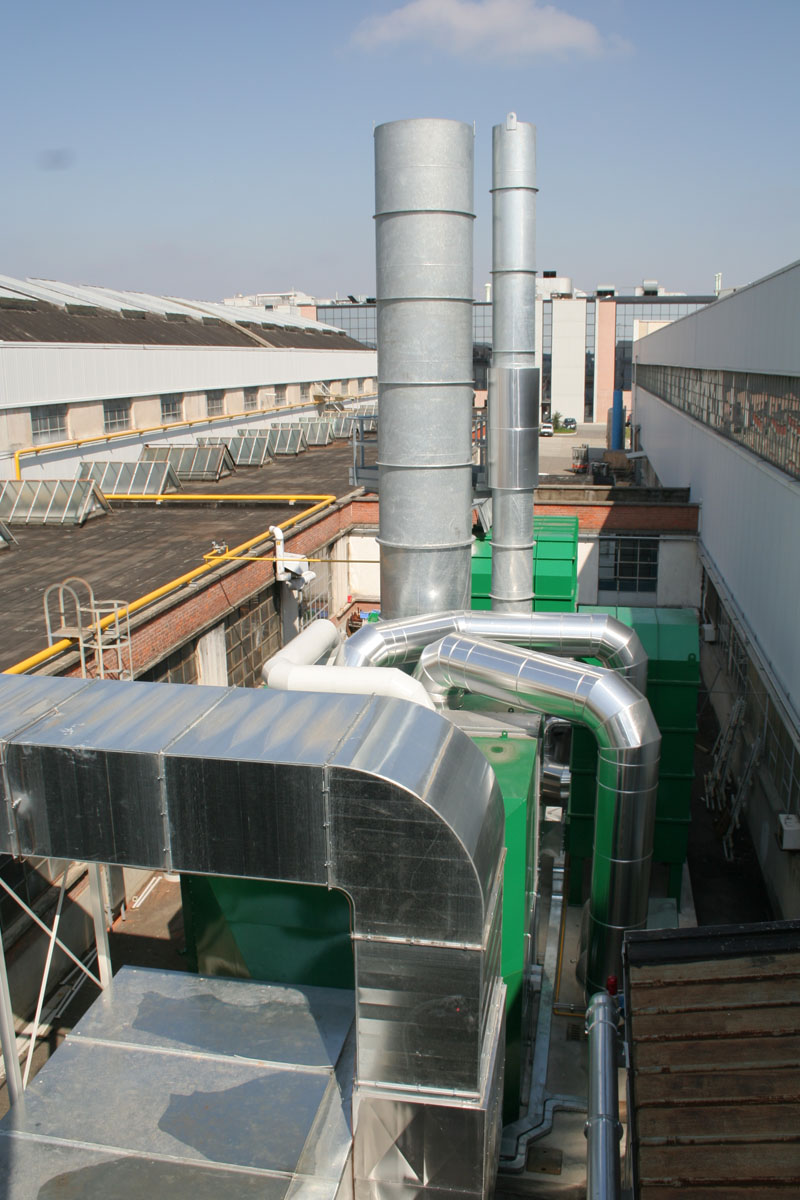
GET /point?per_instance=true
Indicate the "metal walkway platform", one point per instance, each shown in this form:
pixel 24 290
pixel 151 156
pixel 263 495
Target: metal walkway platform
pixel 191 1087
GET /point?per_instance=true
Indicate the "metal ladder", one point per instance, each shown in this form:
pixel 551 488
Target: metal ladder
pixel 100 627
pixel 717 778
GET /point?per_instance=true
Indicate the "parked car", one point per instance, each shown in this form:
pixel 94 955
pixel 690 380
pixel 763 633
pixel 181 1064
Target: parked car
pixel 546 429
pixel 569 423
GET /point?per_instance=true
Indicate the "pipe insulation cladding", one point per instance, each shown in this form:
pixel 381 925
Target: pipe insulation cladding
pixel 423 235
pixel 629 748
pixel 513 424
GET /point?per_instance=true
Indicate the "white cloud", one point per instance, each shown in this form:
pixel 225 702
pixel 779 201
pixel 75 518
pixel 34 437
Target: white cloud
pixel 497 29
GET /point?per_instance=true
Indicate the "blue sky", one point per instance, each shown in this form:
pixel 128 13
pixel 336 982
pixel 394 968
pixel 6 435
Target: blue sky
pixel 206 149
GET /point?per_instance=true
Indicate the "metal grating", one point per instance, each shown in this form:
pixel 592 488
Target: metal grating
pixel 50 501
pixel 714 1043
pixel 192 462
pixel 246 450
pixel 131 478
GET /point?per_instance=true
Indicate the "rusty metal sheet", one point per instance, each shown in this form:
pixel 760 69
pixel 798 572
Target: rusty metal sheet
pixel 711 1052
pixel 727 1023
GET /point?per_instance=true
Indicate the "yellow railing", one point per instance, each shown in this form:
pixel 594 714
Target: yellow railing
pixel 137 433
pixel 321 502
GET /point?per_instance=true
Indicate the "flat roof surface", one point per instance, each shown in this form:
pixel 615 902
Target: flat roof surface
pixel 138 548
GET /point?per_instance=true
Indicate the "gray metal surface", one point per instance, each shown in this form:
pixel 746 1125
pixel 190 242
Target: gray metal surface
pixel 603 1129
pixel 50 501
pixel 573 635
pixel 190 1085
pixel 423 228
pixel 131 478
pixel 629 745
pixel 317 433
pixel 383 799
pixel 192 462
pixel 513 398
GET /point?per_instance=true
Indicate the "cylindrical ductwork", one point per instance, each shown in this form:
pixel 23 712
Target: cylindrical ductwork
pixel 423 232
pixel 603 1129
pixel 574 635
pixel 513 425
pixel 629 745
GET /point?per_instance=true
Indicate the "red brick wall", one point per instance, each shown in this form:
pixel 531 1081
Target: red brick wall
pixel 191 612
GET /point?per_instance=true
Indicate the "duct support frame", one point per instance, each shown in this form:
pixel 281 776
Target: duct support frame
pixel 423 234
pixel 513 424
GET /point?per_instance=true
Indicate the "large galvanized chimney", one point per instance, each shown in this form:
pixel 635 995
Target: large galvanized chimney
pixel 423 215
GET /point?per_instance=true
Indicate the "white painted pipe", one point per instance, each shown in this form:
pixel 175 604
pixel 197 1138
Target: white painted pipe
pixel 360 681
pixel 294 669
pixel 317 639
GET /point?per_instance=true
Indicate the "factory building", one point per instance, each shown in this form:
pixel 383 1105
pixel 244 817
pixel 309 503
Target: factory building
pixel 717 410
pixel 392 939
pixel 84 364
pixel 583 342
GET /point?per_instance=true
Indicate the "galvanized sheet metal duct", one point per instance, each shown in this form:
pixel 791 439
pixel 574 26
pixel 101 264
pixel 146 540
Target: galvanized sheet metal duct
pixel 382 799
pixel 629 745
pixel 423 231
pixel 574 635
pixel 513 426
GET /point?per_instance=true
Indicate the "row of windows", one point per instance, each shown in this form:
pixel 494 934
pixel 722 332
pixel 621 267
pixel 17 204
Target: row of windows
pixel 760 412
pixel 49 422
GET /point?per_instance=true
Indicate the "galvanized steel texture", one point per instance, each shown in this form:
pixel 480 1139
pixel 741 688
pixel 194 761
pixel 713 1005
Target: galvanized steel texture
pixel 423 208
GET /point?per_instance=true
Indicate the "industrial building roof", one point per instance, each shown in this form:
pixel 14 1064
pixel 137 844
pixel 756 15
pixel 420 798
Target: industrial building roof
pixel 136 548
pixel 47 311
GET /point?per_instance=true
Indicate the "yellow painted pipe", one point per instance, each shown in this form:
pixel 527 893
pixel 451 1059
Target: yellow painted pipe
pixel 36 659
pixel 135 433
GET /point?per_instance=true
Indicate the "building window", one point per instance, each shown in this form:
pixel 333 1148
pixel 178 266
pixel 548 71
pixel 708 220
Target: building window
pixel 171 408
pixel 628 564
pixel 280 394
pixel 215 403
pixel 116 415
pixel 49 424
pixel 305 392
pixel 250 399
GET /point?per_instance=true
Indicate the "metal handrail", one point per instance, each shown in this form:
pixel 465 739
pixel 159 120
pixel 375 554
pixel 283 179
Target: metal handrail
pixel 322 501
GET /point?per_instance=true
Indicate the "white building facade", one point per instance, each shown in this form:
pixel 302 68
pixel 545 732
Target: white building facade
pixel 717 402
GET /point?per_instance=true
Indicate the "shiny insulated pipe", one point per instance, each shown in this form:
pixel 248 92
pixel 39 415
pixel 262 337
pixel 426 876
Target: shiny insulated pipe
pixel 629 745
pixel 573 635
pixel 603 1130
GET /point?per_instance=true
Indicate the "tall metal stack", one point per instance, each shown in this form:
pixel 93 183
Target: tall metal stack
pixel 513 426
pixel 423 215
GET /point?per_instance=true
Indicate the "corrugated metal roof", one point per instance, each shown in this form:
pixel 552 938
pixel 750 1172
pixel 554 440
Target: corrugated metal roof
pixel 68 295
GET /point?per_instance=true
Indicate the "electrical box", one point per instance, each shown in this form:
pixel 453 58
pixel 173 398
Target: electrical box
pixel 788 831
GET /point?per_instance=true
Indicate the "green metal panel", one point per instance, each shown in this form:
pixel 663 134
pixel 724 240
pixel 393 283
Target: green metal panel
pixel 513 760
pixel 555 566
pixel 276 932
pixel 671 639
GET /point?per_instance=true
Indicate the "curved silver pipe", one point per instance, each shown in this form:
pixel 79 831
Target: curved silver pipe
pixel 603 1129
pixel 588 635
pixel 629 745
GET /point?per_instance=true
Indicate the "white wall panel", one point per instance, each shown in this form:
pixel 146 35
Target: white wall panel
pixel 679 573
pixel 58 373
pixel 568 370
pixel 753 330
pixel 749 523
